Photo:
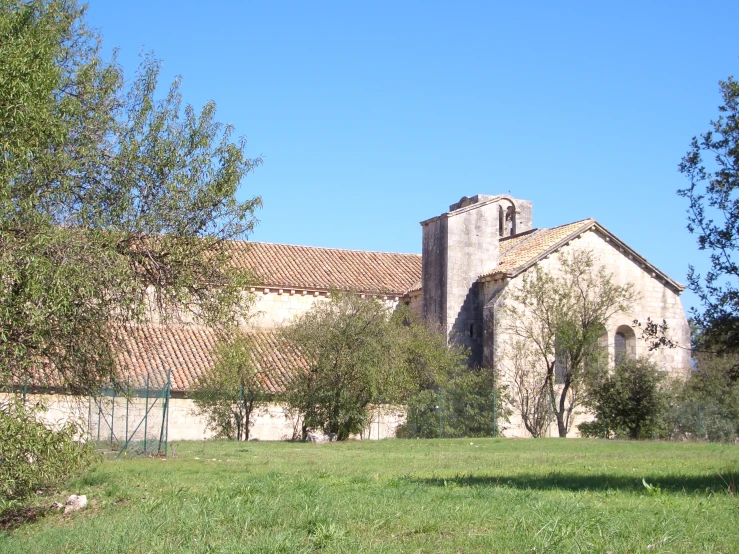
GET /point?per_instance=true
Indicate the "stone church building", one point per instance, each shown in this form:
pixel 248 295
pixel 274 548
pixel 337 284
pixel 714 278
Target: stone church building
pixel 470 255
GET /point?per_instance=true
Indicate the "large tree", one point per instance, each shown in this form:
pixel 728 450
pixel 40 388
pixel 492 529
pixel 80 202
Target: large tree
pixel 712 168
pixel 346 343
pixel 230 392
pixel 113 203
pixel 553 321
pixel 360 353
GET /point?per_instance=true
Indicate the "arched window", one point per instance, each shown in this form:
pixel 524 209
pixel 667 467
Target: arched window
pixel 620 347
pixel 624 344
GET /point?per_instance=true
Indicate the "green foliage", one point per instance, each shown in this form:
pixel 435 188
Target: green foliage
pixel 33 456
pixel 467 405
pixel 231 392
pixel 714 219
pixel 347 344
pixel 553 322
pixel 112 202
pixel 628 402
pixel 359 353
pixel 706 406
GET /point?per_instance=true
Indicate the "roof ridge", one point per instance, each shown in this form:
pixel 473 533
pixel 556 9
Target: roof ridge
pixel 590 219
pixel 325 248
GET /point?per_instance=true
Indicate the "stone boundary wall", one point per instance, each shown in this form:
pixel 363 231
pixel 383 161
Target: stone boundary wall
pixel 271 423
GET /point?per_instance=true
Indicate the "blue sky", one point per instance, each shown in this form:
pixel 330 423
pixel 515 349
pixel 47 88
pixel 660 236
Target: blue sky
pixel 371 117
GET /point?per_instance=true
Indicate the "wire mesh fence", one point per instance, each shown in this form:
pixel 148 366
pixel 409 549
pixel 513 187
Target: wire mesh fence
pixel 134 421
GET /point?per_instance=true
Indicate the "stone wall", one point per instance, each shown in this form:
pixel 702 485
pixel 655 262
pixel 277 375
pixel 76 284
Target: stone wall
pixel 275 306
pixel 272 422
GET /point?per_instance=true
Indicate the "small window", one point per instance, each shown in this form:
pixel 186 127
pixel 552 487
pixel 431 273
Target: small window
pixel 620 347
pixel 472 330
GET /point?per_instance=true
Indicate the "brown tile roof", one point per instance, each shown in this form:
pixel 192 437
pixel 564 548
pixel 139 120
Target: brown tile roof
pixel 418 285
pixel 308 267
pixel 521 251
pixel 188 351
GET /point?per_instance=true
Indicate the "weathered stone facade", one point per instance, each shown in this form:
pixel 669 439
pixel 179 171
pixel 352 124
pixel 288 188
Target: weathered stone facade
pixel 471 255
pixel 485 245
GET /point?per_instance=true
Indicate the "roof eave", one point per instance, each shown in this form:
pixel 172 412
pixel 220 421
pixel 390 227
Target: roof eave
pixel 634 255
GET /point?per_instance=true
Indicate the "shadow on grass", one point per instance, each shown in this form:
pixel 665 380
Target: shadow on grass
pixel 597 482
pixel 15 517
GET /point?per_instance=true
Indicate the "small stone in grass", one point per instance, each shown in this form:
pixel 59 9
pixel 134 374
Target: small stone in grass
pixel 74 503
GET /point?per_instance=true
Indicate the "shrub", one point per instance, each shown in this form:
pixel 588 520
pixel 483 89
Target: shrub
pixel 230 393
pixel 706 405
pixel 469 405
pixel 629 402
pixel 34 456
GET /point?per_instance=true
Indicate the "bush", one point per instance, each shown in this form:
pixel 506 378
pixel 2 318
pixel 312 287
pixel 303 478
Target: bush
pixel 629 402
pixel 35 457
pixel 592 430
pixel 232 390
pixel 466 407
pixel 706 405
pixel 692 418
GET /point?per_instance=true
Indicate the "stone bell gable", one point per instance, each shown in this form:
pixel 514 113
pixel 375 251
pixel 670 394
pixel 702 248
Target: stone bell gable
pixel 458 246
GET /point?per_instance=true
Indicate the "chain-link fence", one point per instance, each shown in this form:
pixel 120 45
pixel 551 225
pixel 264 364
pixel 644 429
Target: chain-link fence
pixel 451 413
pixel 134 421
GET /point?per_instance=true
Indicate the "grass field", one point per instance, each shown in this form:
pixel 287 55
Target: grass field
pixel 494 495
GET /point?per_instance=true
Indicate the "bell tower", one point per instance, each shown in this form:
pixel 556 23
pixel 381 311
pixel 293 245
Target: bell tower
pixel 458 247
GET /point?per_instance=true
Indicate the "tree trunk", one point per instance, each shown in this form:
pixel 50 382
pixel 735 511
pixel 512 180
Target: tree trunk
pixel 561 427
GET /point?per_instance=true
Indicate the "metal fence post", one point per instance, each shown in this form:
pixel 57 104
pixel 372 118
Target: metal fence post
pixel 441 413
pixel 166 429
pixel 603 426
pixel 112 419
pixel 146 410
pixel 165 409
pixel 128 394
pixel 495 413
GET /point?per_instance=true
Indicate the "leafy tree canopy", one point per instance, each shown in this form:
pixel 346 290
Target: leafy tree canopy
pixel 628 402
pixel 232 390
pixel 712 168
pixel 359 353
pixel 113 202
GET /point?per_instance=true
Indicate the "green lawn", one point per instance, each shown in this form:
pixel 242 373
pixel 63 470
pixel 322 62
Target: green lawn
pixel 492 495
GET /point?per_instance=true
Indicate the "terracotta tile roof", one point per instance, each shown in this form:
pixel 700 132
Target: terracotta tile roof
pixel 188 351
pixel 307 267
pixel 418 285
pixel 520 252
pixel 509 243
